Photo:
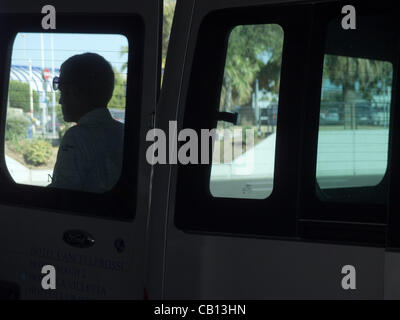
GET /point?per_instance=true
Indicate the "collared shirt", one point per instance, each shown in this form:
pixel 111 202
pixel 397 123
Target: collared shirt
pixel 90 154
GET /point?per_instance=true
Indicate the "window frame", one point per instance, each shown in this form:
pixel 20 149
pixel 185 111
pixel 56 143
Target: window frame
pixel 324 194
pixel 346 221
pixel 293 211
pixel 218 110
pixel 196 210
pixel 120 202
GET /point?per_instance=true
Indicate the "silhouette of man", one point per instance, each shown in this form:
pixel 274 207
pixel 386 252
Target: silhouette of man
pixel 90 154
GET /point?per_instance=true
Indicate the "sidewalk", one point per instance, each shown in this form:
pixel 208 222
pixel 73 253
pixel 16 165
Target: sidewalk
pixel 352 152
pixel 24 175
pixel 340 153
pixel 256 163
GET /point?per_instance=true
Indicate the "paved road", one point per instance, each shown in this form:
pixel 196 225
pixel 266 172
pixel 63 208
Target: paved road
pixel 260 189
pixel 345 159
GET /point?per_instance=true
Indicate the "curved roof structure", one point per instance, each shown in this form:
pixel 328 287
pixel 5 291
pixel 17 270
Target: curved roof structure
pixel 21 73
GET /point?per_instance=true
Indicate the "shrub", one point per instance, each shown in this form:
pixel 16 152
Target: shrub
pixel 37 152
pixel 17 145
pixel 16 128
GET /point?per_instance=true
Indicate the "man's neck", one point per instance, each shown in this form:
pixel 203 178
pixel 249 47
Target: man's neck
pixel 88 110
pixel 92 114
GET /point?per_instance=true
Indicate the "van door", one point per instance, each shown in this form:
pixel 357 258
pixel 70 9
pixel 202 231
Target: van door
pixel 299 211
pixel 392 278
pixel 93 241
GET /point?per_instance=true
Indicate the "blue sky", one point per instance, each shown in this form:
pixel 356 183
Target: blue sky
pixel 28 46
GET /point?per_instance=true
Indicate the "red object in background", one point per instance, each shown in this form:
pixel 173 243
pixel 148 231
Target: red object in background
pixel 46 74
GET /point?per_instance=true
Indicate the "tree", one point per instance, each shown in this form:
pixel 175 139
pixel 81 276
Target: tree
pixel 18 95
pixel 253 51
pixel 169 8
pixel 372 76
pixel 124 51
pixel 118 98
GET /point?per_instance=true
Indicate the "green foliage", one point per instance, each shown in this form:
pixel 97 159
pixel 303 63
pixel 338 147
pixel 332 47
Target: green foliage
pixel 59 115
pixel 254 51
pixel 37 152
pixel 16 128
pixel 372 75
pixel 118 98
pixel 17 145
pixel 169 8
pixel 168 14
pixel 18 96
pixel 124 51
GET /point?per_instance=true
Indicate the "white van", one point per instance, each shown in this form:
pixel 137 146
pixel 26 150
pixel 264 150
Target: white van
pixel 308 212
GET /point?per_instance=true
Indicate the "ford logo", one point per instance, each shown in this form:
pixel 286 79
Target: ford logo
pixel 78 238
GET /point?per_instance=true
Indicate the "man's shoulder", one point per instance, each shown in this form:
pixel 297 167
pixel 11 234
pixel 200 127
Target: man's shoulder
pixel 111 124
pixel 85 132
pixel 118 124
pixel 71 133
pixel 70 139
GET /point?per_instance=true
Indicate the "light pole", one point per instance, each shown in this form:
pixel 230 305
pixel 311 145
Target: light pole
pixel 53 92
pixel 43 102
pixel 30 87
pixel 29 63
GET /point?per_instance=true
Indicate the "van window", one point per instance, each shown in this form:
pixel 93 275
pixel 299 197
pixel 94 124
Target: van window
pixel 52 144
pixel 168 16
pixel 353 133
pixel 244 152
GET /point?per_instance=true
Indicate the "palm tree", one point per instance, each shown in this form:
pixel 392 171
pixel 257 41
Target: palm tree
pixel 124 50
pixel 244 62
pixel 169 8
pixel 347 71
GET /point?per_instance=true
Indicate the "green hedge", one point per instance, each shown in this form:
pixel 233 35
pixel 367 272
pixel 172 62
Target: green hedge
pixel 16 128
pixel 37 152
pixel 18 94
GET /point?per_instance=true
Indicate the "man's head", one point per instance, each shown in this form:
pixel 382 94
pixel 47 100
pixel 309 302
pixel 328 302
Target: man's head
pixel 86 82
